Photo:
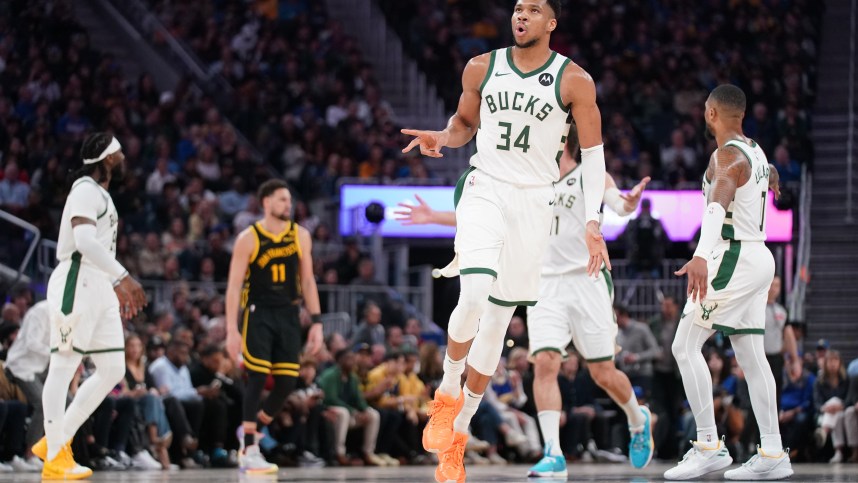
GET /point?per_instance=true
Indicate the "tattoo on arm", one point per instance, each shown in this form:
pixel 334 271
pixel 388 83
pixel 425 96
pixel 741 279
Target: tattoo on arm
pixel 730 171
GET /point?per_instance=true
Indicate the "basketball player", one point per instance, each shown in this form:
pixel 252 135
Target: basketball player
pixel 88 293
pixel 572 306
pixel 517 102
pixel 271 271
pixel 728 284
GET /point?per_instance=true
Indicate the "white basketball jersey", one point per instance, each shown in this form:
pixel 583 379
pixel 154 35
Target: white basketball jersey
pixel 567 251
pixel 87 199
pixel 746 215
pixel 523 122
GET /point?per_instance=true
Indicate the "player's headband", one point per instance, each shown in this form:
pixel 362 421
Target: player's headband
pixel 111 148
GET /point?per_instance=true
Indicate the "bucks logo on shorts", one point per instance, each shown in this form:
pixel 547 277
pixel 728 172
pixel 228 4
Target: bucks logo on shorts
pixel 707 311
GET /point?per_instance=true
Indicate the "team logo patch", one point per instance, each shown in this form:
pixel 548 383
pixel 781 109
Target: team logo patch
pixel 471 181
pixel 546 79
pixel 571 181
pixel 707 311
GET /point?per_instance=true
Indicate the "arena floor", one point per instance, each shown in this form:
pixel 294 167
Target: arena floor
pixel 418 474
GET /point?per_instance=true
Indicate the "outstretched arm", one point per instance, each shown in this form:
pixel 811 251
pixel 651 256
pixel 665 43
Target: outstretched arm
pixel 423 214
pixel 462 127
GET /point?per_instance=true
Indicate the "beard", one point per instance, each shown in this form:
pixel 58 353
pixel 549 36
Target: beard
pixel 118 172
pixel 282 216
pixel 526 45
pixel 708 133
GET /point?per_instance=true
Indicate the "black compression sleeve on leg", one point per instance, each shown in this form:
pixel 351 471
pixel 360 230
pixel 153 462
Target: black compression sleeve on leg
pixel 253 394
pixel 283 386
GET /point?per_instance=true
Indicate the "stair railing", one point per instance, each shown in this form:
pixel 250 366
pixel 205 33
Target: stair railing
pixel 801 276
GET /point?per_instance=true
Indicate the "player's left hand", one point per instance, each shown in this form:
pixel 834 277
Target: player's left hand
pixel 315 340
pixel 597 248
pixel 633 197
pixel 420 214
pixel 698 278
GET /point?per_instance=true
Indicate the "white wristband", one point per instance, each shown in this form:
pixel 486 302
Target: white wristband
pixel 612 199
pixel 710 230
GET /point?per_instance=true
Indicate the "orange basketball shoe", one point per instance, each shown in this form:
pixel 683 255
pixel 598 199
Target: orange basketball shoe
pixel 438 434
pixel 451 462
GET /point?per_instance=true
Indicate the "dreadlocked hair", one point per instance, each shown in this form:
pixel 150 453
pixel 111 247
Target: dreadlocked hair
pixel 92 147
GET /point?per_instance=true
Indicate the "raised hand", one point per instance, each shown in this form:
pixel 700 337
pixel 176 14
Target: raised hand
pixel 633 197
pixel 420 214
pixel 430 142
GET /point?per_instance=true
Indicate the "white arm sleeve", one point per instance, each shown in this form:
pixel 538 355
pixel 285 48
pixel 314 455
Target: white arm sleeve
pixel 710 231
pixel 593 173
pixel 612 199
pixel 87 244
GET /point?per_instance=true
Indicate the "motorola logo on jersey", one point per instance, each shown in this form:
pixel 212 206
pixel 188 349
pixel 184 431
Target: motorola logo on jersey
pixel 546 79
pixel 571 181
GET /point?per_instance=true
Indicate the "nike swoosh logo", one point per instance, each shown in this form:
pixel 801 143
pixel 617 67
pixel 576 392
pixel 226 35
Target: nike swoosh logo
pixel 716 257
pixel 499 74
pixel 550 202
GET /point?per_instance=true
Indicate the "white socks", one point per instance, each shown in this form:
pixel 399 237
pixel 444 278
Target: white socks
pixel 549 423
pixel 707 437
pixel 634 414
pixel 463 420
pixel 451 383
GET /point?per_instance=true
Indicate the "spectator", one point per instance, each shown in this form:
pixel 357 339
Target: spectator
pixel 173 379
pixel 343 395
pixel 645 240
pixel 667 393
pixel 850 418
pixel 779 340
pixel 369 331
pixel 14 193
pixel 829 395
pixel 677 155
pixel 796 415
pixel 151 258
pixel 788 168
pixel 516 335
pixel 139 385
pixel 26 366
pixel 639 349
pixel 222 398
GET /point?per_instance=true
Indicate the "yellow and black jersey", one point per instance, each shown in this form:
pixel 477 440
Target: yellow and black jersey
pixel 273 275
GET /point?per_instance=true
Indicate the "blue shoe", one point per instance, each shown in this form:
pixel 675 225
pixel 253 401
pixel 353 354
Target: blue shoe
pixel 549 467
pixel 641 445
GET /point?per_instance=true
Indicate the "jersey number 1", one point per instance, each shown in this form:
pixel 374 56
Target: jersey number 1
pixel 763 212
pixel 278 273
pixel 522 141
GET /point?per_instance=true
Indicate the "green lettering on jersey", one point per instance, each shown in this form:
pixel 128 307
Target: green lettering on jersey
pixel 490 101
pixel 503 100
pixel 531 105
pixel 545 111
pixel 515 105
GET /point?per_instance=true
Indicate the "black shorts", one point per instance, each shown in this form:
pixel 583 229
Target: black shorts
pixel 271 339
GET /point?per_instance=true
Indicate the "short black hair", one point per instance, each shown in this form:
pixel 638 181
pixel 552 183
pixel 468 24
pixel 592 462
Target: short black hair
pixel 210 350
pixel 556 6
pixel 730 96
pixel 268 188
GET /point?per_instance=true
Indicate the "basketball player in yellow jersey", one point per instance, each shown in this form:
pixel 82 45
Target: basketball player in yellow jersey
pixel 271 261
pixel 728 284
pixel 517 102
